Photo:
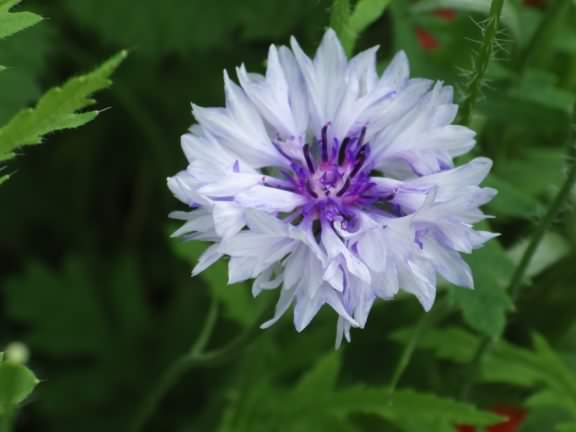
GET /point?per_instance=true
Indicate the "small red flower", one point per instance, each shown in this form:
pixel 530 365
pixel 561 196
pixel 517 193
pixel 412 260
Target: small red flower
pixel 445 14
pixel 427 41
pixel 515 417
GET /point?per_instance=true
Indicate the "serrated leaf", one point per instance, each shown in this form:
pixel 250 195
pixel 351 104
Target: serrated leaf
pixel 484 308
pixel 58 108
pixel 13 22
pixel 16 383
pixel 238 303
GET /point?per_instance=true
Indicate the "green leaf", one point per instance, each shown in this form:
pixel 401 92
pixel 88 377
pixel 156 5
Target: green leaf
pixel 349 24
pixel 510 16
pixel 323 377
pixel 566 427
pixel 449 343
pixel 58 109
pixel 16 383
pixel 540 87
pixel 365 13
pixel 548 162
pixel 340 20
pixel 484 308
pixel 238 303
pixel 13 22
pixel 396 407
pixel 512 201
pixel 61 310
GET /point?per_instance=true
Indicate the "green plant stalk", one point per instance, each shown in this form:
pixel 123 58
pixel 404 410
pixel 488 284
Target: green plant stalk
pixel 195 357
pixel 426 321
pixel 517 279
pixel 538 50
pixel 482 60
pixel 170 377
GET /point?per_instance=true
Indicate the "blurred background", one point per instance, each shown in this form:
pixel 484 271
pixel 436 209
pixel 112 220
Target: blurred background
pixel 92 283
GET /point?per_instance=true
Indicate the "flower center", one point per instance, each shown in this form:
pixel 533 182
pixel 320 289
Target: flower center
pixel 335 179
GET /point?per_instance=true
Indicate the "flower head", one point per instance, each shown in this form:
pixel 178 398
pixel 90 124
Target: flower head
pixel 332 184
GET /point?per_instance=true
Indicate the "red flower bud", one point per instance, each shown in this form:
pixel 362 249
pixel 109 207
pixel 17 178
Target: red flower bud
pixel 445 14
pixel 427 41
pixel 515 417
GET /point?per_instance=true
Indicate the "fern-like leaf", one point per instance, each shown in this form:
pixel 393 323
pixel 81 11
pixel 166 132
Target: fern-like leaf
pixel 60 108
pixel 13 22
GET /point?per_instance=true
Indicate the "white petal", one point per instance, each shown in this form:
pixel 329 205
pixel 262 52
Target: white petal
pixel 270 199
pixel 228 219
pixel 449 264
pixel 241 269
pixel 230 185
pixel 209 257
pixel 419 278
pixel 372 250
pixel 284 302
pixel 298 98
pixel 271 96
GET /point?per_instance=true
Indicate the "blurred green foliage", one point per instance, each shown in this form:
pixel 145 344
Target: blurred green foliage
pixel 93 284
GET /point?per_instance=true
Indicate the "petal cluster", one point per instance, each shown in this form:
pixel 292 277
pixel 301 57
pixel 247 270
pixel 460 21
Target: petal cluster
pixel 333 184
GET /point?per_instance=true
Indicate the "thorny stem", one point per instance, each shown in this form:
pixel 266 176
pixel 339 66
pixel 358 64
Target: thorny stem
pixel 426 321
pixel 481 61
pixel 517 279
pixel 195 357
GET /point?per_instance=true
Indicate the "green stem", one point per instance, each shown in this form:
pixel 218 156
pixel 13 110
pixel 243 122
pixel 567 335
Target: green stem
pixel 517 279
pixel 195 357
pixel 426 321
pixel 170 377
pixel 482 61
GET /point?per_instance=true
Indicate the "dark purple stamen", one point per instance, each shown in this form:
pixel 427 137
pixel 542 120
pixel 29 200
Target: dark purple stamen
pixel 344 188
pixel 282 152
pixel 325 143
pixel 334 177
pixel 362 136
pixel 308 157
pixel 360 159
pixel 310 190
pixel 342 151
